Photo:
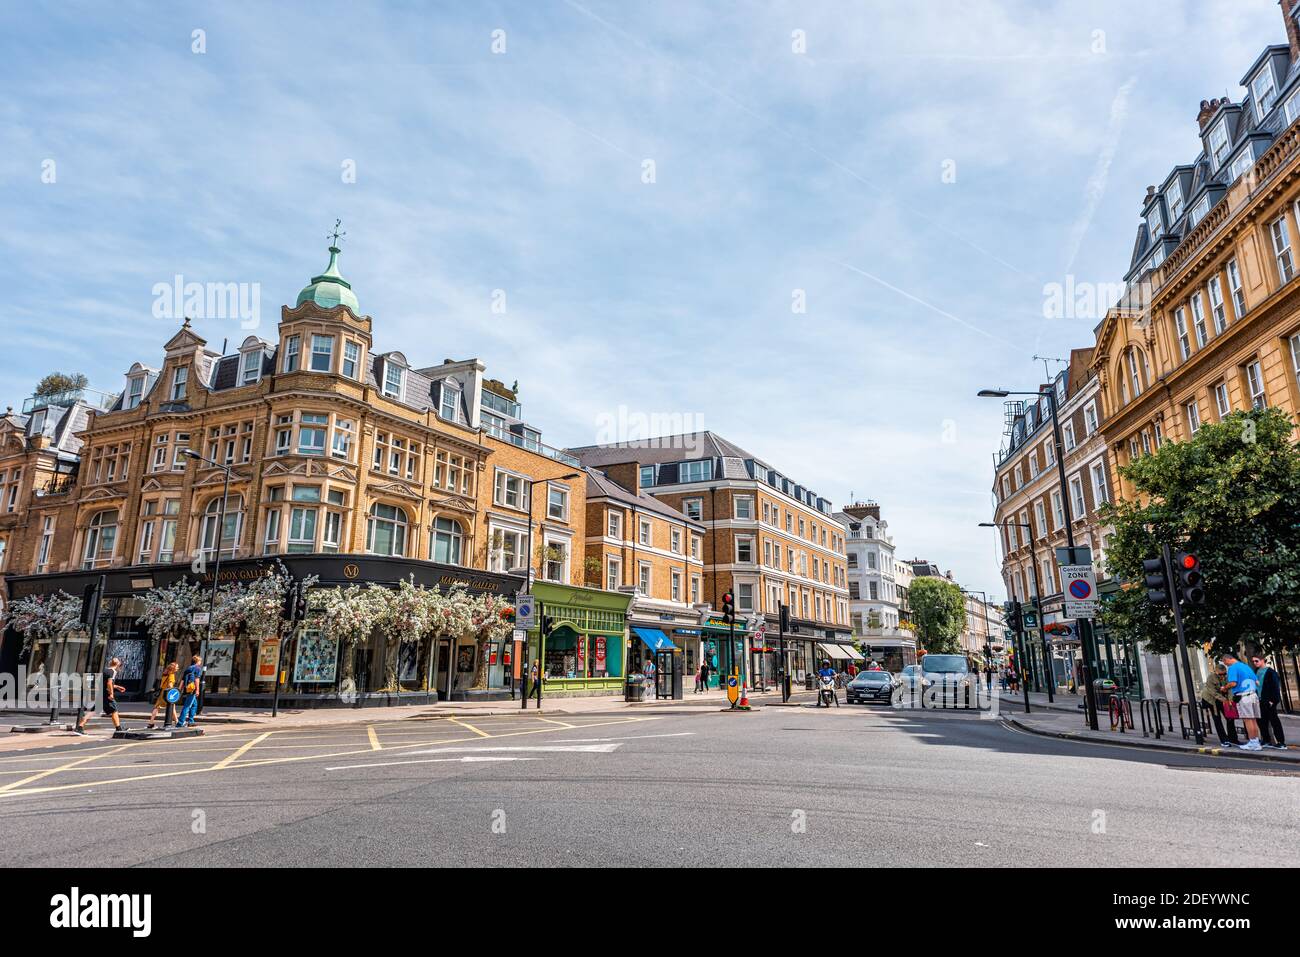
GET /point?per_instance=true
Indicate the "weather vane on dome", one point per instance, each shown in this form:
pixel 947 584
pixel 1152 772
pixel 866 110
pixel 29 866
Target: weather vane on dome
pixel 336 235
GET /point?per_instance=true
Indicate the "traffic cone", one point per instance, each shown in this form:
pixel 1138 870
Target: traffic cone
pixel 744 697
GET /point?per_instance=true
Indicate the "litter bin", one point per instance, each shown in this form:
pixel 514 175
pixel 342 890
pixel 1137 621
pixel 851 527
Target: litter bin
pixel 809 683
pixel 634 690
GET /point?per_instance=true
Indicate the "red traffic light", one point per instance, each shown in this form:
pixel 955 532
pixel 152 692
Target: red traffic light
pixel 1187 560
pixel 726 599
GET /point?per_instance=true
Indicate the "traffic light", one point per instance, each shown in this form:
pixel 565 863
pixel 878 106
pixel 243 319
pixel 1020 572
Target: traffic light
pixel 728 609
pixel 1158 588
pixel 289 606
pixel 547 625
pixel 300 603
pixel 785 617
pixel 1190 582
pixel 88 604
pixel 1011 611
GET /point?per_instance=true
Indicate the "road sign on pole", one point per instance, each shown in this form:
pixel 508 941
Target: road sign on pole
pixel 1079 590
pixel 525 612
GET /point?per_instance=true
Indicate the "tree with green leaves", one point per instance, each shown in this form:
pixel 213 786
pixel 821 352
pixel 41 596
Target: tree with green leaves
pixel 56 383
pixel 938 614
pixel 1231 496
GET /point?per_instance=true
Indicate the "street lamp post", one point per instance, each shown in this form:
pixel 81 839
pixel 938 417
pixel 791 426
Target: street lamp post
pixel 528 587
pixel 1085 625
pixel 1049 679
pixel 216 569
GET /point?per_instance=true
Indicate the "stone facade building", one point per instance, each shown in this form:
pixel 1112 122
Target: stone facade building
pixel 314 444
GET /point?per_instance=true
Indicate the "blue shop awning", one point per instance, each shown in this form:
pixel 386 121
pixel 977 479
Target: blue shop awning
pixel 655 639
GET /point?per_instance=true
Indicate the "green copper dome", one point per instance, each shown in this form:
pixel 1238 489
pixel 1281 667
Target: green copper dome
pixel 329 289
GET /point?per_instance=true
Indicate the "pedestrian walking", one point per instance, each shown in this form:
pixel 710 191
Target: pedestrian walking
pixel 111 689
pixel 1271 734
pixel 190 692
pixel 165 684
pixel 704 677
pixel 1216 696
pixel 649 672
pixel 1244 688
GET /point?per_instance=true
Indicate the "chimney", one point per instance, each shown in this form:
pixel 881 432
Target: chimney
pixel 1210 107
pixel 1292 31
pixel 626 474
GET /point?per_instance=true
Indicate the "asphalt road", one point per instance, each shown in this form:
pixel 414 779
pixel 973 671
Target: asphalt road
pixel 780 786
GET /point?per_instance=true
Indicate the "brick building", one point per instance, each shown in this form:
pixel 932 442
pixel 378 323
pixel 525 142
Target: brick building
pixel 768 540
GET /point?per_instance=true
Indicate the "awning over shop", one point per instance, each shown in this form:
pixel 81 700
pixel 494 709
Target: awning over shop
pixel 654 639
pixel 834 651
pixel 853 652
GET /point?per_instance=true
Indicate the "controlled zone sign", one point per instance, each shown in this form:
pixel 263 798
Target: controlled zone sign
pixel 1079 591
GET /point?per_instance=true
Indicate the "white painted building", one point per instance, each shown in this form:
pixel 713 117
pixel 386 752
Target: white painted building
pixel 875 595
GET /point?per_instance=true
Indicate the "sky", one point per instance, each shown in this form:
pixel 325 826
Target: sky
pixel 815 228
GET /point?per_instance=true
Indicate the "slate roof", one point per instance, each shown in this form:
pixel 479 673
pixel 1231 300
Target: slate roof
pixel 1199 178
pixel 600 485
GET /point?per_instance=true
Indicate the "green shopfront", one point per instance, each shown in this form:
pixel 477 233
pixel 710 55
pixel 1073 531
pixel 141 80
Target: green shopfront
pixel 585 651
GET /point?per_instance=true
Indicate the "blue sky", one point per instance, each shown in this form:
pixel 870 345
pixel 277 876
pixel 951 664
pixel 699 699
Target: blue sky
pixel 920 172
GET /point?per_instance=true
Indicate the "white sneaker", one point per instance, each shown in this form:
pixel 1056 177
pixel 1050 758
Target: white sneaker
pixel 1252 746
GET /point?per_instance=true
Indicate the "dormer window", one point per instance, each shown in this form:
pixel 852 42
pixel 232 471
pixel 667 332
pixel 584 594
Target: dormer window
pixel 450 400
pixel 394 377
pixel 1265 91
pixel 1155 222
pixel 38 422
pixel 292 347
pixel 134 391
pixel 1174 199
pixel 1218 143
pixel 1242 162
pixel 179 379
pixel 250 368
pixel 1291 108
pixel 1198 211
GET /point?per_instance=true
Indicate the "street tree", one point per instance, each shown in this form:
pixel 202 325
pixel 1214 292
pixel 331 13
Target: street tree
pixel 938 613
pixel 1231 496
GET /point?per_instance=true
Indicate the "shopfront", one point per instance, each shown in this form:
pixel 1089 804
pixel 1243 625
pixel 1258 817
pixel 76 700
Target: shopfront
pixel 241 669
pixel 713 647
pixel 586 650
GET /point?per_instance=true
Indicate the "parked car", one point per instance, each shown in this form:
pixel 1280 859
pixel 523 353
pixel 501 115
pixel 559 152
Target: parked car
pixel 868 686
pixel 910 678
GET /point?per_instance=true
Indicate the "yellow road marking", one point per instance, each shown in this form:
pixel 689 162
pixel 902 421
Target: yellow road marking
pixel 374 739
pixel 466 724
pixel 239 752
pixel 63 767
pixel 562 724
pixel 8 792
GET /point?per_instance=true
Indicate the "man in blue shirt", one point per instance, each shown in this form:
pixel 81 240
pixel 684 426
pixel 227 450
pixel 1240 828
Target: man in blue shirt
pixel 190 690
pixel 1244 688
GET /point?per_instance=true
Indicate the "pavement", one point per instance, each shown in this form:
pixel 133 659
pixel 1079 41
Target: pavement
pixel 136 715
pixel 795 786
pixel 1064 718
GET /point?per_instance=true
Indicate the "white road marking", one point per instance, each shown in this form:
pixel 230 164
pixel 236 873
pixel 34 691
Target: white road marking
pixel 587 748
pixel 464 760
pixel 632 737
pixel 478 754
